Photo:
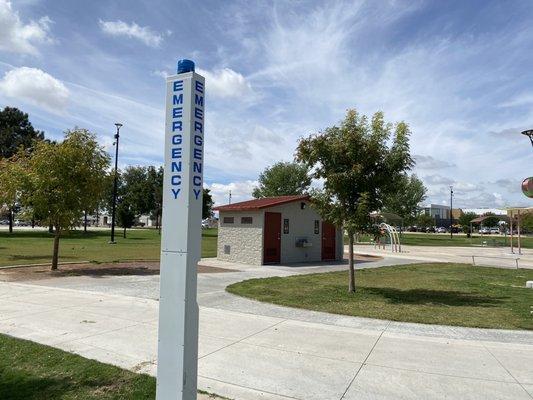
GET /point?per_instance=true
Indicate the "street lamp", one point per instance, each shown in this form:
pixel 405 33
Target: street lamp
pixel 451 212
pixel 529 133
pixel 117 136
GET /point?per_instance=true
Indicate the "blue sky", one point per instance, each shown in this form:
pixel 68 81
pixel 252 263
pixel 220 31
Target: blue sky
pixel 460 73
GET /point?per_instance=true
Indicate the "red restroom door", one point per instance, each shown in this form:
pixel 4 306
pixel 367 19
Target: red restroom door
pixel 328 241
pixel 272 238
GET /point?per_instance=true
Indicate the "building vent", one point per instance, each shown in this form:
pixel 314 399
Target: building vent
pixel 227 249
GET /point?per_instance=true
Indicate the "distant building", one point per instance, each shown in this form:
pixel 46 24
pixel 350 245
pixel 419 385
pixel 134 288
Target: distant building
pixel 483 211
pixel 437 211
pixel 275 230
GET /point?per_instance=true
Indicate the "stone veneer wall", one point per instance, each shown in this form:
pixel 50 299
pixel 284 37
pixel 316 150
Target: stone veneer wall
pixel 245 240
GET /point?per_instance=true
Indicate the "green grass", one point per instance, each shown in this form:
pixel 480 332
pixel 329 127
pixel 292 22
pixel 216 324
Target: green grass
pixel 434 239
pixel 31 247
pixel 446 294
pixel 31 371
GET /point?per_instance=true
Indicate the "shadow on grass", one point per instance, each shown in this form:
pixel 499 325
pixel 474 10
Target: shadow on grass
pixel 108 271
pixel 434 297
pixel 16 385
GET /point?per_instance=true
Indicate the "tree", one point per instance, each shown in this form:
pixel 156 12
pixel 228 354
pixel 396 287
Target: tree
pixel 125 215
pixel 526 222
pixel 283 179
pixel 359 168
pixel 406 198
pixel 16 131
pixel 155 181
pixel 12 173
pixel 492 220
pixel 465 220
pixel 425 221
pixel 207 204
pixel 64 177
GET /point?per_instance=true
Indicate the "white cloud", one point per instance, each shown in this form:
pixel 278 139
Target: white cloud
pixel 18 37
pixel 226 83
pixel 143 33
pixel 160 73
pixel 429 162
pixel 240 191
pixel 437 180
pixel 36 87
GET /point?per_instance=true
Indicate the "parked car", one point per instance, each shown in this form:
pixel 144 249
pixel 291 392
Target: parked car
pixel 495 231
pixel 484 231
pixel 430 229
pixel 441 229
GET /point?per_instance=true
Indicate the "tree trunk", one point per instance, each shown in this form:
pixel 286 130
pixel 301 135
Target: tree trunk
pixel 55 255
pixel 124 233
pixel 10 220
pixel 32 223
pixel 85 221
pixel 50 228
pixel 351 287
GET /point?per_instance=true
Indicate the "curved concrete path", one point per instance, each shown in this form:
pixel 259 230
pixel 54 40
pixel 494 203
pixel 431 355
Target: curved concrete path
pixel 251 350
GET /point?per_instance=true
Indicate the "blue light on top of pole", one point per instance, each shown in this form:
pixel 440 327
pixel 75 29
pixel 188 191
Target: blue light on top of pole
pixel 185 66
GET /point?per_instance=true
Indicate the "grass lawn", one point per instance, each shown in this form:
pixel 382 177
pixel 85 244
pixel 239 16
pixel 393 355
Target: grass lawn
pixel 32 371
pixel 30 247
pixel 447 294
pixel 437 239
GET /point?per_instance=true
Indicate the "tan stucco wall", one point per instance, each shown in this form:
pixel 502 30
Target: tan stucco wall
pixel 245 240
pixel 301 225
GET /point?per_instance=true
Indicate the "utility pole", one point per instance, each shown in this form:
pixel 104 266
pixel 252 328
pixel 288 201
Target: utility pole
pixel 117 136
pixel 451 212
pixel 230 197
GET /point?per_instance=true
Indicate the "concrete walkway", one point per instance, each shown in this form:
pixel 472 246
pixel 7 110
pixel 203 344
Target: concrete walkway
pixel 489 256
pixel 250 350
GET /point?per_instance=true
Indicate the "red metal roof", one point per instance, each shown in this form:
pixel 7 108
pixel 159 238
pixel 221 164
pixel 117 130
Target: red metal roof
pixel 257 204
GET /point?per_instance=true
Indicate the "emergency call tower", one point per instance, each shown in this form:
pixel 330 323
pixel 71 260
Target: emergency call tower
pixel 177 355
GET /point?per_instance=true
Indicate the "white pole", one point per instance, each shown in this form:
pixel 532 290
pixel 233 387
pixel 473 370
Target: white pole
pixel 177 358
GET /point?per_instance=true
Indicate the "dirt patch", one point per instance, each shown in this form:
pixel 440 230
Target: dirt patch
pixel 20 274
pixel 364 257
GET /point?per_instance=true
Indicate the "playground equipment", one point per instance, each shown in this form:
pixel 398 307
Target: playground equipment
pixel 396 246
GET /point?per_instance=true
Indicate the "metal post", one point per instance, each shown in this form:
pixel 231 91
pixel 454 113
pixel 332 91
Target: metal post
pixel 512 244
pixel 177 355
pixel 518 231
pixel 451 212
pixel 117 136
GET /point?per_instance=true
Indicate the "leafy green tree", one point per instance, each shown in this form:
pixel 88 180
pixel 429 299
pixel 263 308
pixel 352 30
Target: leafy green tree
pixel 126 215
pixel 283 179
pixel 465 220
pixel 425 221
pixel 359 161
pixel 12 174
pixel 207 204
pixel 64 177
pixel 155 181
pixel 136 188
pixel 16 131
pixel 526 222
pixel 491 221
pixel 405 199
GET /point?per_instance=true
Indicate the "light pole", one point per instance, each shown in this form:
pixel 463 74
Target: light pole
pixel 117 136
pixel 529 133
pixel 451 212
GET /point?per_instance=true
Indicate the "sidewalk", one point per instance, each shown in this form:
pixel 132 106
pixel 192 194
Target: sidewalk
pixel 247 355
pixel 488 256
